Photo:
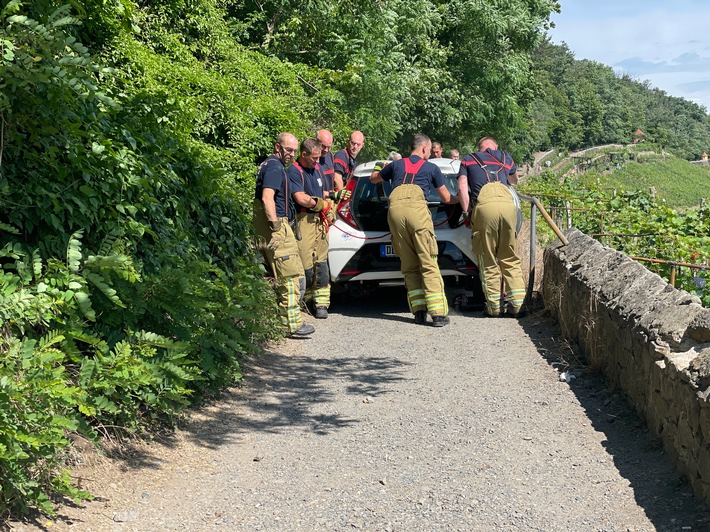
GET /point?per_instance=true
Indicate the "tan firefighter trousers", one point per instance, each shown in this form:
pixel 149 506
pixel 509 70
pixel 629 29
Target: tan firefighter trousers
pixel 494 241
pixel 414 243
pixel 313 249
pixel 280 252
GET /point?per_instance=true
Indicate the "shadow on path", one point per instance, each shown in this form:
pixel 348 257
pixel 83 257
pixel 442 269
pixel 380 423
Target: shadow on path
pixel 286 392
pixel 666 498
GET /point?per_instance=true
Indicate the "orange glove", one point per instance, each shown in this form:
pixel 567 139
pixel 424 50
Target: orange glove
pixel 323 213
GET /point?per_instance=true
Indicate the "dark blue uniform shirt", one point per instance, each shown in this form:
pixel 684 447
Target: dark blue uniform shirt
pixel 308 180
pixel 344 165
pixel 327 168
pixel 496 161
pixel 272 174
pixel 428 175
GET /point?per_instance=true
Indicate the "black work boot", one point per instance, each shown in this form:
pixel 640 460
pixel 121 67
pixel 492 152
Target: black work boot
pixel 439 321
pixel 420 317
pixel 321 313
pixel 302 331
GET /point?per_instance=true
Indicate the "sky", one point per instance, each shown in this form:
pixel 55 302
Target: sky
pixel 666 43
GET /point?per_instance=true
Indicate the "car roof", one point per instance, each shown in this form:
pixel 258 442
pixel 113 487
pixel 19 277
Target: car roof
pixel 447 166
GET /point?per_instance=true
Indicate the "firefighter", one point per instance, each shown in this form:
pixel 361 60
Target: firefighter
pixel 494 215
pixel 315 215
pixel 345 162
pixel 275 239
pixel 325 162
pixel 412 228
pixel 327 168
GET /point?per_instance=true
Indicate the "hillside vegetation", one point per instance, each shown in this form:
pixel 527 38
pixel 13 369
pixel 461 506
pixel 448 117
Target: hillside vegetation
pixel 680 183
pixel 615 206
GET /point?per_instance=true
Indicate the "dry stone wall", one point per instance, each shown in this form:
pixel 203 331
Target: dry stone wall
pixel 651 340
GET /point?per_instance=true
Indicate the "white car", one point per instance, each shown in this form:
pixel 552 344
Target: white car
pixel 360 245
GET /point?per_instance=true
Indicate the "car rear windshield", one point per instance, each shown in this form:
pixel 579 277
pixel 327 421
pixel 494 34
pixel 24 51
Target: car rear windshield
pixel 369 203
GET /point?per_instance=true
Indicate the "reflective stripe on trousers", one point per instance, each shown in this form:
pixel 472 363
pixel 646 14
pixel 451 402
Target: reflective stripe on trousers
pixel 494 240
pixel 414 243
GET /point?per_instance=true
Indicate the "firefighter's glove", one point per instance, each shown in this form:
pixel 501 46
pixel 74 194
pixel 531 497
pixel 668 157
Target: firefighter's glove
pixel 379 165
pixel 320 204
pixel 276 236
pixel 324 214
pixel 340 195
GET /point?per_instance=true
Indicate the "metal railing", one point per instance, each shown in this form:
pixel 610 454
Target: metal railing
pixel 535 206
pixel 549 218
pixel 674 266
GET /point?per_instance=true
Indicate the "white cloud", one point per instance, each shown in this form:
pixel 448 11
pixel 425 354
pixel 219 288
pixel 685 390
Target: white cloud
pixel 662 42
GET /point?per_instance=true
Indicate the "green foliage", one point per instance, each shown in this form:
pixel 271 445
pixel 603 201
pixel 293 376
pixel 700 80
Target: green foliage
pixel 633 221
pixel 129 286
pixel 453 69
pixel 678 182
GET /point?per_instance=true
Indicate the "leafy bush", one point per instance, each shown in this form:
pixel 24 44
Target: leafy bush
pixel 169 295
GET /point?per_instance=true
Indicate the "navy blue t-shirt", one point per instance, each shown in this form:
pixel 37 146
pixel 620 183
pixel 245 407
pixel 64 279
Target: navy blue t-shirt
pixel 308 180
pixel 499 162
pixel 344 164
pixel 427 176
pixel 272 174
pixel 327 168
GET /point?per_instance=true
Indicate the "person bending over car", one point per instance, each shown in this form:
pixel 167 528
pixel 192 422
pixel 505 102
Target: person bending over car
pixel 412 228
pixel 276 241
pixel 487 174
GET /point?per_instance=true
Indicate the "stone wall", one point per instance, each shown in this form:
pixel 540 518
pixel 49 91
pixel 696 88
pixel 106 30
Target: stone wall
pixel 651 340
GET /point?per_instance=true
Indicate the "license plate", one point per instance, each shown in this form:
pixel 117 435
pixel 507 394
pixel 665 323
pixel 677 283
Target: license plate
pixel 386 250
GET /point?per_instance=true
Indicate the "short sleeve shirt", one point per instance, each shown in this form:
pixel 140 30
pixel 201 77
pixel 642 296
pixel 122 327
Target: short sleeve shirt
pixel 308 180
pixel 344 164
pixel 428 175
pixel 272 174
pixel 499 162
pixel 327 168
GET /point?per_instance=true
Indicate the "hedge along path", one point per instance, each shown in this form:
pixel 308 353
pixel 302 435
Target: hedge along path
pixel 378 424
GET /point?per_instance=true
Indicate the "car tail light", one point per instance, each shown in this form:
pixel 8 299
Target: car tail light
pixel 345 207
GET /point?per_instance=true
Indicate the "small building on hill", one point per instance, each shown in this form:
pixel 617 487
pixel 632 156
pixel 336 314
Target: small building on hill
pixel 638 136
pixel 704 156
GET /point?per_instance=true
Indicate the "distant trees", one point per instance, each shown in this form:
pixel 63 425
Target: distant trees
pixel 584 103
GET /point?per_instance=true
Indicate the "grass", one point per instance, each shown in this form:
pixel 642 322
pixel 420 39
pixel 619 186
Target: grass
pixel 679 182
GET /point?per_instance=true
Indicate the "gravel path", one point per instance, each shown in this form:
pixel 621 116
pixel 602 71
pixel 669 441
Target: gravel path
pixel 378 424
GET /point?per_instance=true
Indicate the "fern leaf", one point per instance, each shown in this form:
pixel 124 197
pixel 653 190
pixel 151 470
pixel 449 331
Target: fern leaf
pixel 100 345
pixel 154 339
pixel 84 302
pixel 102 285
pixel 74 251
pixel 36 263
pixel 50 339
pixel 9 229
pixel 176 371
pixel 87 370
pixel 109 241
